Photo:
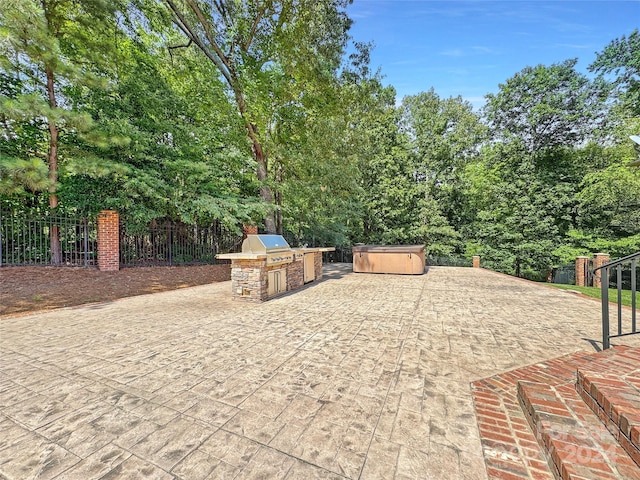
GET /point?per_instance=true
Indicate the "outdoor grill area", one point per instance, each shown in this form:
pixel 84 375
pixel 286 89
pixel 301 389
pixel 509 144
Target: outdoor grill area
pixel 268 266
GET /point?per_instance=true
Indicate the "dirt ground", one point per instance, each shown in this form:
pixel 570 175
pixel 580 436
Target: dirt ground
pixel 29 289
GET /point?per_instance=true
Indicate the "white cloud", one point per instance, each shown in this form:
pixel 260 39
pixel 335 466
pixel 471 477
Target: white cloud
pixel 576 46
pixel 455 52
pixel 481 49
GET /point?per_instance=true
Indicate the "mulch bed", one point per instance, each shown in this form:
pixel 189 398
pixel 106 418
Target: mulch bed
pixel 30 289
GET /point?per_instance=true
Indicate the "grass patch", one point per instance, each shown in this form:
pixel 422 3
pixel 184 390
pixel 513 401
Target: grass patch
pixel 596 292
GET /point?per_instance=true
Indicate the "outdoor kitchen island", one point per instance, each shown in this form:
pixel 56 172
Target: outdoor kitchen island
pixel 268 266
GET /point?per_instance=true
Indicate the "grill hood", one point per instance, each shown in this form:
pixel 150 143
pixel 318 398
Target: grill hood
pixel 263 244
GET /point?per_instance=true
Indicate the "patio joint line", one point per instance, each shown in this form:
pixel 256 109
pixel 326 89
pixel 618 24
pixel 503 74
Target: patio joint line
pixel 391 383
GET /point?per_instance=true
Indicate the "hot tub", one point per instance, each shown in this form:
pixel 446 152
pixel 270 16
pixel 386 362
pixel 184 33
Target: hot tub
pixel 401 259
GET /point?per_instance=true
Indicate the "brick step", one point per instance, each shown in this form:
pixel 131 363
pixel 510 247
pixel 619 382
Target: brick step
pixel 574 441
pixel 545 394
pixel 615 399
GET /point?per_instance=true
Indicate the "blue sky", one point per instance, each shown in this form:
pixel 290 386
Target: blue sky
pixel 468 47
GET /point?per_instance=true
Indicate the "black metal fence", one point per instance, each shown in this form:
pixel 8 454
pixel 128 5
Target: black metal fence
pixel 176 244
pixel 341 255
pixel 564 274
pixel 40 238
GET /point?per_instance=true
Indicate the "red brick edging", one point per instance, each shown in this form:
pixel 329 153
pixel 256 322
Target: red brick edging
pixel 510 447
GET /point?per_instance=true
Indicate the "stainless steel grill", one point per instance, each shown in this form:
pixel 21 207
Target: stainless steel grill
pixel 275 247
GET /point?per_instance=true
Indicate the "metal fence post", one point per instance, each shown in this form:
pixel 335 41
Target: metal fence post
pixel 170 238
pixel 86 242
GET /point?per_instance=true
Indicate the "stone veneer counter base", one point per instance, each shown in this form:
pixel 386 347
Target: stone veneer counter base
pixel 259 277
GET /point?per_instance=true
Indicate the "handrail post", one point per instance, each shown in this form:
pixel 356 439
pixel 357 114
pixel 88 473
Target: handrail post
pixel 633 295
pixel 619 285
pixel 604 285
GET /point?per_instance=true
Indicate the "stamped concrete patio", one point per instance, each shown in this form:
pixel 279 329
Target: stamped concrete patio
pixel 358 376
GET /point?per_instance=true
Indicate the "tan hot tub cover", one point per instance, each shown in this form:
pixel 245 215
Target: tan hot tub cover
pixel 401 259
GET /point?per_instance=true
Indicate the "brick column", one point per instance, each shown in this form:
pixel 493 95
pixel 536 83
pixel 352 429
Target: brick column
pixel 108 241
pixel 476 261
pixel 582 263
pixel 249 230
pixel 599 259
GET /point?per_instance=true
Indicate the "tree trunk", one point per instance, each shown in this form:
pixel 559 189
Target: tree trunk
pixel 258 154
pixel 278 197
pixel 265 191
pixel 263 174
pixel 56 250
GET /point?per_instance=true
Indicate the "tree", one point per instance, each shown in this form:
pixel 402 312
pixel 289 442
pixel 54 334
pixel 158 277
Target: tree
pixel 46 46
pixel 389 191
pixel 184 159
pixel 446 135
pixel 317 151
pixel 609 202
pixel 545 107
pixel 20 171
pixel 515 230
pixel 622 57
pixel 259 47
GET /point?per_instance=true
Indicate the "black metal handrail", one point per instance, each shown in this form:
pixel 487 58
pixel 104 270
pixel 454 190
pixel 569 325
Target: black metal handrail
pixel 604 284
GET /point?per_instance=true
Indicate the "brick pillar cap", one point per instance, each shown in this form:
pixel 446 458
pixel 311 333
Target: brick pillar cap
pixel 601 254
pixel 584 256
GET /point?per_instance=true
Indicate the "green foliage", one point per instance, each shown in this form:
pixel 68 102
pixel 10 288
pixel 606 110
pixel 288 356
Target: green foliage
pixel 622 58
pixel 515 228
pixel 547 106
pixel 183 159
pixel 18 173
pixel 609 202
pixel 445 133
pixel 583 242
pixel 47 48
pixel 445 136
pixel 273 57
pixel 256 116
